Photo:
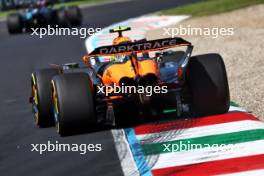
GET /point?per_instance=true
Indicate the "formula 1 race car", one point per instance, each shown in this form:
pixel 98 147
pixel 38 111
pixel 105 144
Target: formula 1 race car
pixel 41 14
pixel 76 95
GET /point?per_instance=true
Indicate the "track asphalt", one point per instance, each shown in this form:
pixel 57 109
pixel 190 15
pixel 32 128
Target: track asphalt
pixel 19 56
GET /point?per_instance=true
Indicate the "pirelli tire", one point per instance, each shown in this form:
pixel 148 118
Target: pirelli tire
pixel 14 23
pixel 74 15
pixel 208 84
pixel 73 103
pixel 61 18
pixel 42 96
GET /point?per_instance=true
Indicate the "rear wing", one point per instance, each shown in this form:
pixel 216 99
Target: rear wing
pixel 139 47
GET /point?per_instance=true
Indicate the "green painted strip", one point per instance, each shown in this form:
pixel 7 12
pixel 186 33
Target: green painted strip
pixel 234 104
pixel 228 138
pixel 165 111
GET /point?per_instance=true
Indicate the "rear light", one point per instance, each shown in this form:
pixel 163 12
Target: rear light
pixel 179 72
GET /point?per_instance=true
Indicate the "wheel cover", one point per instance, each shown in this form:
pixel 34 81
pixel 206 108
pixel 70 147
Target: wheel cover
pixel 35 103
pixel 55 106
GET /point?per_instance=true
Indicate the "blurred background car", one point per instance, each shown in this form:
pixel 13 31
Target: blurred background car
pixel 42 13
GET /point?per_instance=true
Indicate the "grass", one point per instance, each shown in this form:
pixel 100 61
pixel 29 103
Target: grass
pixel 77 2
pixel 210 7
pixel 5 13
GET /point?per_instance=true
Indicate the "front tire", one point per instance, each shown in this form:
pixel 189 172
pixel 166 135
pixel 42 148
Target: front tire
pixel 73 102
pixel 208 84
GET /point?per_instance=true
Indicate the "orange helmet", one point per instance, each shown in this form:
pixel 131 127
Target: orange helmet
pixel 120 39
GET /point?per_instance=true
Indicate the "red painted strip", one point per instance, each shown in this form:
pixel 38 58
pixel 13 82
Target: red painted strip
pixel 215 167
pixel 190 123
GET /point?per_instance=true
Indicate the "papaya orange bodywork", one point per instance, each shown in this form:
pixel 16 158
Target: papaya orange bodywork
pixel 119 40
pixel 147 66
pixel 115 72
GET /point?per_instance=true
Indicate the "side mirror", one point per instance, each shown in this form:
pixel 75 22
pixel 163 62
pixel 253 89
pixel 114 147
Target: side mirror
pixel 86 60
pixel 89 61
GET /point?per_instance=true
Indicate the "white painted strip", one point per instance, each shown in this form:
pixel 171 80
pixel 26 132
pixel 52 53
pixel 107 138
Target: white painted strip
pixel 223 128
pixel 207 154
pixel 259 172
pixel 234 108
pixel 129 167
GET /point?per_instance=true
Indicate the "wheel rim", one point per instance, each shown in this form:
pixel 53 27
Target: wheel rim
pixel 55 106
pixel 35 102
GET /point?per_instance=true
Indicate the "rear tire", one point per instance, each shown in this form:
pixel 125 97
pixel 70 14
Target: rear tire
pixel 14 23
pixel 208 84
pixel 40 81
pixel 74 15
pixel 62 19
pixel 74 102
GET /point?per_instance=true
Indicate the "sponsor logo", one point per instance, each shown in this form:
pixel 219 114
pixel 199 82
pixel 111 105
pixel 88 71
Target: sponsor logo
pixel 138 46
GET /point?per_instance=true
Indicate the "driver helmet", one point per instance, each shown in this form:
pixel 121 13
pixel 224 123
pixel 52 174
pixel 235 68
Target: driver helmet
pixel 119 41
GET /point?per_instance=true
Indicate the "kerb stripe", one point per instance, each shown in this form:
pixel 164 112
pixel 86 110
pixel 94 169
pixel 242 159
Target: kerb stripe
pixel 215 167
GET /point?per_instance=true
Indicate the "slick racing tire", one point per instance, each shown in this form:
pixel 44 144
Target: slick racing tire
pixel 42 97
pixel 62 19
pixel 45 18
pixel 14 23
pixel 73 103
pixel 208 85
pixel 74 16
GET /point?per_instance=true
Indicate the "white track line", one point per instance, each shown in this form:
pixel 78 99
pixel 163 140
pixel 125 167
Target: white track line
pixel 124 153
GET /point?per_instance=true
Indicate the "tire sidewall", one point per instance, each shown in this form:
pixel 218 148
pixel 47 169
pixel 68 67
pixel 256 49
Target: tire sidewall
pixel 208 84
pixel 43 78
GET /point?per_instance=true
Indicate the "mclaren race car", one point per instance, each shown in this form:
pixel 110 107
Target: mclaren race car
pixel 41 13
pixel 76 95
